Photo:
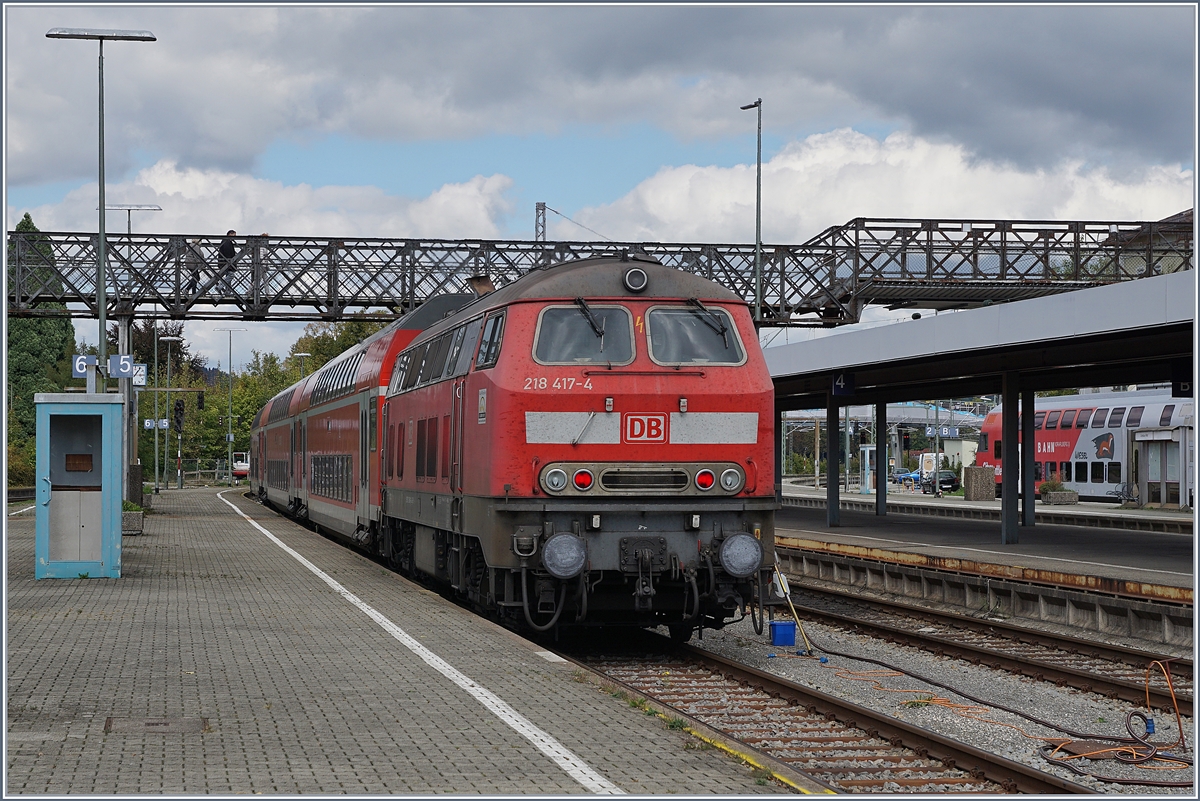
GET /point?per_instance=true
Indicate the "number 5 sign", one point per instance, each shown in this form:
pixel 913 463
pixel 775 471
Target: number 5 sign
pixel 120 366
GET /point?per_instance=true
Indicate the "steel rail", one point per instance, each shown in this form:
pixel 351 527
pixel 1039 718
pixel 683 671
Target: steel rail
pixel 889 734
pixel 1001 634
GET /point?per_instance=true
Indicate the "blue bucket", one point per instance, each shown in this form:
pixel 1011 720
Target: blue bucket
pixel 783 632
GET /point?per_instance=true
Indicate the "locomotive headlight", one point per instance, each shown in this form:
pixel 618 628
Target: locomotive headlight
pixel 564 555
pixel 741 555
pixel 705 479
pixel 730 480
pixel 556 480
pixel 583 479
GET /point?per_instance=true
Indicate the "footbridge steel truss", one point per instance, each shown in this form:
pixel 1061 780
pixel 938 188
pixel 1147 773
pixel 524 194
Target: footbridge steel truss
pixel 826 281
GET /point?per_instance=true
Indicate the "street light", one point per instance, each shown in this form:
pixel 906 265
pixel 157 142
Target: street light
pixel 168 340
pixel 302 355
pixel 129 209
pixel 100 35
pixel 229 435
pixel 758 220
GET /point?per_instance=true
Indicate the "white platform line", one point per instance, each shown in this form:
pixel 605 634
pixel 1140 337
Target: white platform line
pixel 26 509
pixel 573 765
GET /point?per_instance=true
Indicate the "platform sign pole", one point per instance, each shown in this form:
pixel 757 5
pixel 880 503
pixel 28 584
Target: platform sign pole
pixel 881 463
pixel 1009 458
pixel 833 510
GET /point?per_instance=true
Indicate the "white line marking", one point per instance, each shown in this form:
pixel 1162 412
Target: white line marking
pixel 981 550
pixel 26 509
pixel 573 765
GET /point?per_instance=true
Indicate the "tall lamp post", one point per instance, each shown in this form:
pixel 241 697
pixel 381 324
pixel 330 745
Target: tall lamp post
pixel 229 434
pixel 757 219
pixel 302 355
pixel 100 35
pixel 167 441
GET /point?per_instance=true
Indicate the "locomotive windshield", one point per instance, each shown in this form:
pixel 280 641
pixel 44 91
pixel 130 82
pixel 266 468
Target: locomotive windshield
pixel 584 334
pixel 693 335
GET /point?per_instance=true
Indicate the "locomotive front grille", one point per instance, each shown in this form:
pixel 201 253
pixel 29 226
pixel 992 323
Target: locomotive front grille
pixel 626 480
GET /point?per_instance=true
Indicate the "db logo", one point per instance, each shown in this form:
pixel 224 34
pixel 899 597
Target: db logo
pixel 644 428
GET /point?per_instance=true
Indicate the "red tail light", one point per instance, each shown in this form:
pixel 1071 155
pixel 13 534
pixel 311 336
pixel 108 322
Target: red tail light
pixel 705 479
pixel 583 479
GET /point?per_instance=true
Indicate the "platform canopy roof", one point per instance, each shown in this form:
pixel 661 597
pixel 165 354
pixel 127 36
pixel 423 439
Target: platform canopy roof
pixel 1133 332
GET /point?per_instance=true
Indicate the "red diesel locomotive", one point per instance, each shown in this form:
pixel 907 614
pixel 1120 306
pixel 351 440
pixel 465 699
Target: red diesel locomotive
pixel 588 445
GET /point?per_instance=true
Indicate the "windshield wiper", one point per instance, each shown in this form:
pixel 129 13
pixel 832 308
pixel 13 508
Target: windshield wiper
pixel 711 319
pixel 591 318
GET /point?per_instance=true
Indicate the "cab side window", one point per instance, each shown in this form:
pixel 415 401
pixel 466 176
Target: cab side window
pixel 489 348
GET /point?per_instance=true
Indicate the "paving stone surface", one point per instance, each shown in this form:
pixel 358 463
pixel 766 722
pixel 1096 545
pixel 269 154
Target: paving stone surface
pixel 301 692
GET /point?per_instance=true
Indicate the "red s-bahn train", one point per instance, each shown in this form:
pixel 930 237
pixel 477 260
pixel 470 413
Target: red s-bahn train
pixel 591 444
pixel 1108 446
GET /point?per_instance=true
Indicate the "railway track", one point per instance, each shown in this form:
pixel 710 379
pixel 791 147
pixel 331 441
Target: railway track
pixel 1112 671
pixel 841 746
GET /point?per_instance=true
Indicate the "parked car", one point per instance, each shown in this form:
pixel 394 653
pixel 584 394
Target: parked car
pixel 901 476
pixel 947 481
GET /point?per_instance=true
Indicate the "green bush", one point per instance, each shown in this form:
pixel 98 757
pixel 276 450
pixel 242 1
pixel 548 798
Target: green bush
pixel 130 506
pixel 1050 485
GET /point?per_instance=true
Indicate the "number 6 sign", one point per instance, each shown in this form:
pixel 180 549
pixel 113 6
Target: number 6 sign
pixel 79 365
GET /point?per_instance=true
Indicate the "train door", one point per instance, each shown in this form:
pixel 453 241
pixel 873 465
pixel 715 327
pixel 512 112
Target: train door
pixel 302 488
pixel 456 451
pixel 362 496
pixel 292 493
pixel 1158 467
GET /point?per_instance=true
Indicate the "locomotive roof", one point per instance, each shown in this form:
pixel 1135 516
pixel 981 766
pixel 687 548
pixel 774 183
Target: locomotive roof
pixel 597 277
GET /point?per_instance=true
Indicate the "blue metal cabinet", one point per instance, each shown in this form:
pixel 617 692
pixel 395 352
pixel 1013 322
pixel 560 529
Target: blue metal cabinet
pixel 78 522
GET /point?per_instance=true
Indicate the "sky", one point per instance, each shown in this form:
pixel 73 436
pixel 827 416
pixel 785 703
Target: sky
pixel 452 122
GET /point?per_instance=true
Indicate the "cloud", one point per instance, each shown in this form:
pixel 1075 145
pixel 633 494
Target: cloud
pixel 212 201
pixel 830 178
pixel 1032 85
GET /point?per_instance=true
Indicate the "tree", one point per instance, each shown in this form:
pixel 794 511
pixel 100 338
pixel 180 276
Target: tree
pixel 326 341
pixel 39 351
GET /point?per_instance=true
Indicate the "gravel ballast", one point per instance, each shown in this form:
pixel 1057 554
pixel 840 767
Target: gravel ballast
pixel 1000 732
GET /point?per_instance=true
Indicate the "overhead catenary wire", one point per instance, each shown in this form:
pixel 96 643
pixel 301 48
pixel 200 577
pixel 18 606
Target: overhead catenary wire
pixel 581 225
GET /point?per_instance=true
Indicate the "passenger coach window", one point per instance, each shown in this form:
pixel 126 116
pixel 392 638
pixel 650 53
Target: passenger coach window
pixel 1165 418
pixel 1052 420
pixel 584 334
pixel 1135 417
pixel 1098 419
pixel 1067 418
pixel 1081 471
pixel 1097 472
pixel 1037 420
pixel 1084 416
pixel 1114 472
pixel 693 335
pixel 1114 419
pixel 489 350
pixel 1064 470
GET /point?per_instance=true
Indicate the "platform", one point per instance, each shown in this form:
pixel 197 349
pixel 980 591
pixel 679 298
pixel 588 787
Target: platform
pixel 220 663
pixel 1113 544
pixel 1117 582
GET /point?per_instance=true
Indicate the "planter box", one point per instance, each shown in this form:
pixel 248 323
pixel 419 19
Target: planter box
pixel 131 522
pixel 1064 498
